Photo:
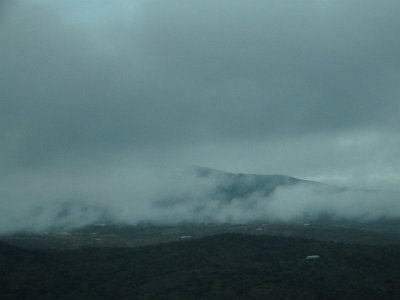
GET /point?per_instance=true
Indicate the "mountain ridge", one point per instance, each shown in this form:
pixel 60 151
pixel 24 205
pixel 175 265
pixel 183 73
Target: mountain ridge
pixel 238 185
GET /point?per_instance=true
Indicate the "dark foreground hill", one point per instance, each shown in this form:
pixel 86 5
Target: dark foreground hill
pixel 228 266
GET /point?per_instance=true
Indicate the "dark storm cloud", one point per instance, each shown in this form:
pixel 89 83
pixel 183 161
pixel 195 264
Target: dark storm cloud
pixel 280 66
pixel 187 72
pixel 166 82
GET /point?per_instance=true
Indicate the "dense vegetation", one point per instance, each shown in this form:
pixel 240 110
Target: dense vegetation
pixel 228 266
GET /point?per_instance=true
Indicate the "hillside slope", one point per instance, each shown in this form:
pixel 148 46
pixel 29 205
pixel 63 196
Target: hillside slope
pixel 230 266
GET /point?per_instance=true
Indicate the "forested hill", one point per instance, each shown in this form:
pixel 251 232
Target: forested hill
pixel 222 187
pixel 228 266
pixel 231 185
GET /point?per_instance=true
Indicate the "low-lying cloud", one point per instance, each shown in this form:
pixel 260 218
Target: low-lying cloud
pixel 101 100
pixel 180 197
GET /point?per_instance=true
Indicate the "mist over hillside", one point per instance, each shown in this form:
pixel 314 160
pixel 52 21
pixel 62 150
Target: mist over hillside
pixel 218 196
pixel 102 102
pixel 195 195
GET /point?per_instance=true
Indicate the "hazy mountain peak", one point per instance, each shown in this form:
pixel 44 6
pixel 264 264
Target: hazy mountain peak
pixel 200 171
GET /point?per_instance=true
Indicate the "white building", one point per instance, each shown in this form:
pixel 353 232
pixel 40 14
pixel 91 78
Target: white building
pixel 312 257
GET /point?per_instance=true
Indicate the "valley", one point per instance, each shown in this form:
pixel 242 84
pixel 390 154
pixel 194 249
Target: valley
pixel 107 235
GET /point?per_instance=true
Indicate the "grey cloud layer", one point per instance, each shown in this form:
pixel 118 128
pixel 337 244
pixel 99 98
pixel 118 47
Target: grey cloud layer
pixel 167 82
pixel 189 72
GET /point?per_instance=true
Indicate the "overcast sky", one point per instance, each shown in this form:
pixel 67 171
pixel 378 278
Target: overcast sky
pixel 303 88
